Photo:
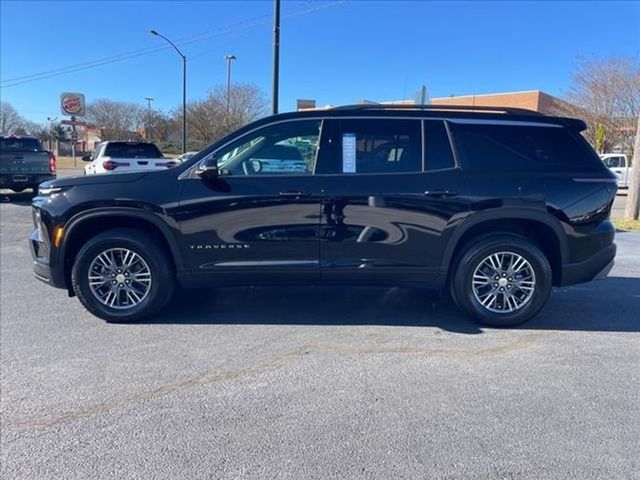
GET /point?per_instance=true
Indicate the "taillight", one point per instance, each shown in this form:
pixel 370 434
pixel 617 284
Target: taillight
pixel 111 165
pixel 52 163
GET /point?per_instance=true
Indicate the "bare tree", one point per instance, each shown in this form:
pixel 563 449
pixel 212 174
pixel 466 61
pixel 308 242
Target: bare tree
pixel 158 125
pixel 10 120
pixel 209 119
pixel 606 93
pixel 40 131
pixel 116 120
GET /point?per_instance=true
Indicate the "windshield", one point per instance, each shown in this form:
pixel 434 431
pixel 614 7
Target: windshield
pixel 20 145
pixel 132 150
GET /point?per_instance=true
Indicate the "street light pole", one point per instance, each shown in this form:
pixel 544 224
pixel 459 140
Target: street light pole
pixel 229 58
pixel 184 88
pixel 149 100
pixel 276 56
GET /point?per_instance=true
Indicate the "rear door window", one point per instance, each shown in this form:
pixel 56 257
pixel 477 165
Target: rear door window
pixel 505 147
pixel 379 146
pixel 132 150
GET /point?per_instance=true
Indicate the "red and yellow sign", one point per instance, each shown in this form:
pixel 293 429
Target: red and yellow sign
pixel 72 104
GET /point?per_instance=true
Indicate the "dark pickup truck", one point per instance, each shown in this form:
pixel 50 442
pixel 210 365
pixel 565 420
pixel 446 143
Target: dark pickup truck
pixel 24 163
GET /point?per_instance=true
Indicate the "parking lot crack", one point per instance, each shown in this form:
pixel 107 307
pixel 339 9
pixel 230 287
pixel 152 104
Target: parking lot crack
pixel 274 363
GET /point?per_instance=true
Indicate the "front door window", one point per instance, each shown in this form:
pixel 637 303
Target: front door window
pixel 289 148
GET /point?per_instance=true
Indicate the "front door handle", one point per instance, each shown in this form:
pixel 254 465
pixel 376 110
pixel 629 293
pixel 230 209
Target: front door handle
pixel 439 193
pixel 294 194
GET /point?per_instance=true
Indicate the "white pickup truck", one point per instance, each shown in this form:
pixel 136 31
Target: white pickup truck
pixel 619 164
pixel 125 157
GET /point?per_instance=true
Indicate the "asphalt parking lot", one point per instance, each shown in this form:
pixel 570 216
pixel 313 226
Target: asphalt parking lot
pixel 317 383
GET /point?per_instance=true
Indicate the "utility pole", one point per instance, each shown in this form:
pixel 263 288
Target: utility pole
pixel 51 133
pixel 146 133
pixel 276 55
pixel 632 209
pixel 229 59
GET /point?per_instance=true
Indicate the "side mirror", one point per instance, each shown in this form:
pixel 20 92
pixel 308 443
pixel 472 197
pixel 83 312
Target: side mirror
pixel 208 170
pixel 86 158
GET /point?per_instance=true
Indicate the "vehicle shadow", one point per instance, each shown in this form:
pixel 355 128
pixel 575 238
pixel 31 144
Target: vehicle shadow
pixel 610 305
pixel 20 198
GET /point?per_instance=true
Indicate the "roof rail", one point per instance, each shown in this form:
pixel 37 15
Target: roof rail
pixel 455 108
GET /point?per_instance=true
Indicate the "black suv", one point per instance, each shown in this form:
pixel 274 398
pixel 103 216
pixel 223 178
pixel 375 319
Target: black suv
pixel 495 205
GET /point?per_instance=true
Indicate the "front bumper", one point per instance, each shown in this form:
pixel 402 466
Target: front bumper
pixel 596 266
pixel 42 268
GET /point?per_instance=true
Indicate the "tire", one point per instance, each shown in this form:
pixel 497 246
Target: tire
pixel 515 303
pixel 141 298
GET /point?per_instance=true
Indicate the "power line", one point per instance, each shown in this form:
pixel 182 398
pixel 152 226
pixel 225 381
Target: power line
pixel 134 52
pixel 244 25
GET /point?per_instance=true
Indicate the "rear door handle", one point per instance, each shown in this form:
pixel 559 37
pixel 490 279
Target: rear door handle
pixel 439 193
pixel 294 194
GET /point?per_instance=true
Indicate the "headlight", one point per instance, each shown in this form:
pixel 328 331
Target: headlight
pixel 46 191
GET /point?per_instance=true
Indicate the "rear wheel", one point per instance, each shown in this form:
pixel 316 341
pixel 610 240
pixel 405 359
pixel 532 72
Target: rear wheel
pixel 123 275
pixel 501 280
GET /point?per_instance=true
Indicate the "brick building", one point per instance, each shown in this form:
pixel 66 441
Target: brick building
pixel 531 100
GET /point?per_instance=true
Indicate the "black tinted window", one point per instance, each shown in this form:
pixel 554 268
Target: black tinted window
pixel 438 153
pixel 132 150
pixel 485 147
pixel 380 146
pixel 19 145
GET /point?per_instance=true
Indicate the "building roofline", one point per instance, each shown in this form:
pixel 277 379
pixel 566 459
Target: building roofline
pixel 490 94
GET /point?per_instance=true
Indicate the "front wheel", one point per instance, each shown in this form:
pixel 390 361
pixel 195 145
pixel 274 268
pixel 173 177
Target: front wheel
pixel 502 280
pixel 123 275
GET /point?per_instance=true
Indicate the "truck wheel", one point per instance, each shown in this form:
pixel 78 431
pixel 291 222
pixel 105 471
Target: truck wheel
pixel 123 275
pixel 501 280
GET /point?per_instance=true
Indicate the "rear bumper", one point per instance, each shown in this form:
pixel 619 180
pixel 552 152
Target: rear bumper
pixel 24 180
pixel 596 266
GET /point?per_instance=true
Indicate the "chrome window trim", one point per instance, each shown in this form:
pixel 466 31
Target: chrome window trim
pixel 188 173
pixel 518 123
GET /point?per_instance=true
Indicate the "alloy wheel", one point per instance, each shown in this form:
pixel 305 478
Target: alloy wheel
pixel 504 282
pixel 119 278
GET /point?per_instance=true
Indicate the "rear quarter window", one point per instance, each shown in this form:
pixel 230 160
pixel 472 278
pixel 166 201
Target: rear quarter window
pixel 503 147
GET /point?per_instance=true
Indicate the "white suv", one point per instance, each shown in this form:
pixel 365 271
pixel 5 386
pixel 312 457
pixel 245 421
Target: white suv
pixel 125 157
pixel 619 164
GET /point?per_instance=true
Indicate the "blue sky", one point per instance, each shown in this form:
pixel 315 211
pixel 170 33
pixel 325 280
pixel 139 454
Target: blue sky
pixel 336 52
